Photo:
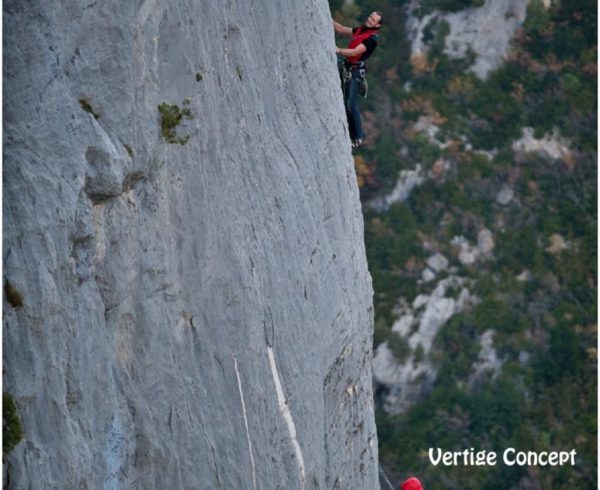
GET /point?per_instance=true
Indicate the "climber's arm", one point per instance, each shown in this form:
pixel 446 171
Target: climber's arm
pixel 358 50
pixel 340 29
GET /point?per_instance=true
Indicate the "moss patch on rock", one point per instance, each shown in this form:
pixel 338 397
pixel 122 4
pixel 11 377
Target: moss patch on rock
pixel 12 430
pixel 171 117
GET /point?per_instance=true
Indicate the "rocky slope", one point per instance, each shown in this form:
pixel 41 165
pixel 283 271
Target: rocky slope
pixel 479 179
pixel 486 32
pixel 187 299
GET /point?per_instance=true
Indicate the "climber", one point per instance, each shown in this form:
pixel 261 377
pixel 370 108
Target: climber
pixel 353 69
pixel 411 484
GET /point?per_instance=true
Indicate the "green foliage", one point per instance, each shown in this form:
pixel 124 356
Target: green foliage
pixel 424 151
pixel 386 154
pixel 563 359
pixel 391 242
pixel 12 430
pixel 540 303
pixel 348 14
pixel 399 346
pixel 419 353
pixel 490 314
pixel 564 37
pixel 564 31
pixel 496 115
pixel 496 410
pixel 570 83
pixel 448 5
pixel 434 35
pixel 171 117
pixel 381 330
pixel 538 20
pixel 457 347
pixel 476 167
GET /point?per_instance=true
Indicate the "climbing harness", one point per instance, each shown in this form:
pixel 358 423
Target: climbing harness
pixel 387 480
pixel 346 73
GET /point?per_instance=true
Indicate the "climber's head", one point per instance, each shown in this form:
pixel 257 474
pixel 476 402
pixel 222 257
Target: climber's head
pixel 374 20
pixel 411 484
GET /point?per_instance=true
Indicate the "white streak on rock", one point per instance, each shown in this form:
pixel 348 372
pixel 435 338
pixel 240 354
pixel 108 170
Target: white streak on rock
pixel 285 412
pixel 239 380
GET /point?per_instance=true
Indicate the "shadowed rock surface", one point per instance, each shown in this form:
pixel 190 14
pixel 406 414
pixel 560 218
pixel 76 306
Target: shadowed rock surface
pixel 195 314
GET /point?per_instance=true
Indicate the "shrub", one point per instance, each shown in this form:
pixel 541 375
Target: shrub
pixel 399 346
pixel 171 117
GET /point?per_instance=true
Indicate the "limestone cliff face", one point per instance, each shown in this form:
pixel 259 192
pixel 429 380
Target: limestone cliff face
pixel 194 314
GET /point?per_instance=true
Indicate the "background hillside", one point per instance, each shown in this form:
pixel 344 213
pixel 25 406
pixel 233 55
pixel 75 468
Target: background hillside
pixel 479 192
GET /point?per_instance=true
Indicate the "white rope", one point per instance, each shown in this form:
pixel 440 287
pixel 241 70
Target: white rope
pixel 386 478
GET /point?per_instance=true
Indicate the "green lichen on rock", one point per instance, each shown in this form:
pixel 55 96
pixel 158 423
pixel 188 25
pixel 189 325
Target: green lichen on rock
pixel 171 117
pixel 12 430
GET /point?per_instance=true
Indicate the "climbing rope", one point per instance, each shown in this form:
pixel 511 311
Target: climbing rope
pixel 386 478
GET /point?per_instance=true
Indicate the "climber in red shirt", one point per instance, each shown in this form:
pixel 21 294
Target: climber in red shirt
pixel 363 42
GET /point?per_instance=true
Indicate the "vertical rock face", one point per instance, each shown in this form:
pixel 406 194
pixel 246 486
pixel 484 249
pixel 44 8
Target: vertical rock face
pixel 194 314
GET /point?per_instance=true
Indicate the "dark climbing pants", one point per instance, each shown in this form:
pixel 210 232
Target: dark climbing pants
pixel 351 103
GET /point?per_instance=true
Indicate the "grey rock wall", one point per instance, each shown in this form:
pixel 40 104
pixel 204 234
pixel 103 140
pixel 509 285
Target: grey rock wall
pixel 194 315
